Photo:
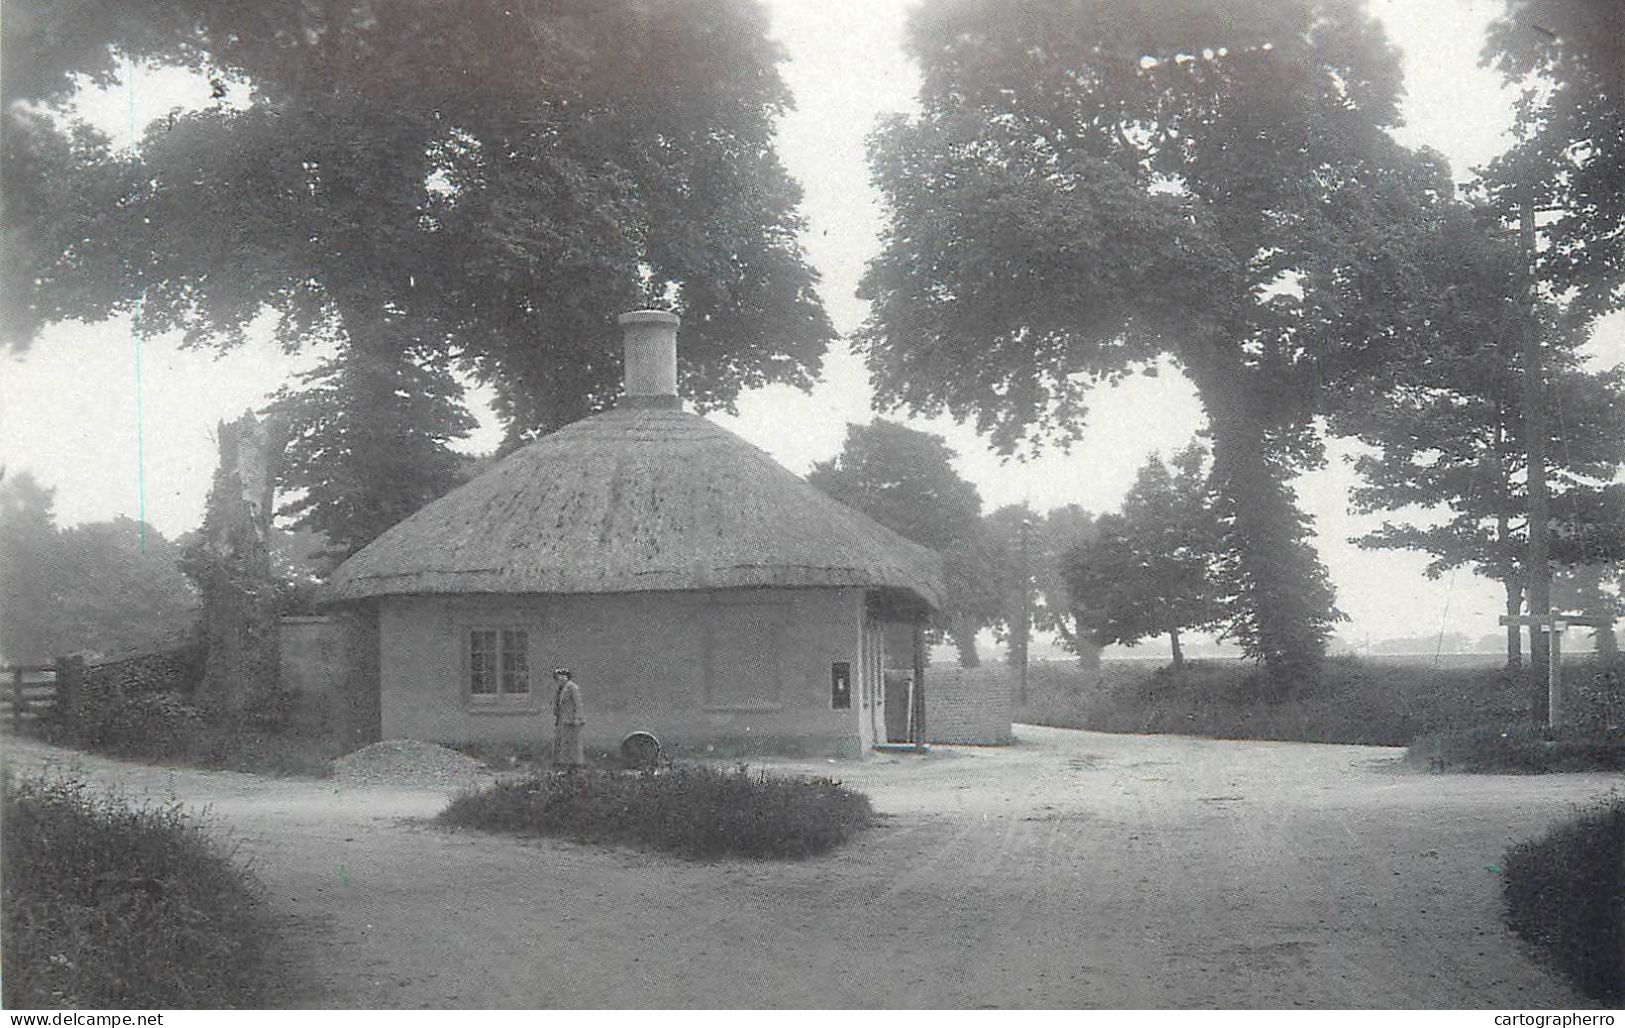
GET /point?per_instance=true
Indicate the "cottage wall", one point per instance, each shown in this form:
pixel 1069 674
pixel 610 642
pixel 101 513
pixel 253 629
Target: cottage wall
pixel 680 665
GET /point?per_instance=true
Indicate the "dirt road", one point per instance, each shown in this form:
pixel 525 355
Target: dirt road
pixel 1072 870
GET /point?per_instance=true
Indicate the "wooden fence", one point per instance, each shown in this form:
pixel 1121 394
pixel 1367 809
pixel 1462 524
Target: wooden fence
pixel 30 692
pixel 62 691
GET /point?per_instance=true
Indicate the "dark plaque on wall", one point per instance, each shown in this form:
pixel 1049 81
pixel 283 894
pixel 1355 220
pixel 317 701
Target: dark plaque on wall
pixel 840 685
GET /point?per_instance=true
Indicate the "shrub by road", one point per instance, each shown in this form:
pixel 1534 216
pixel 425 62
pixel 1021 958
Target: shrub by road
pixel 1565 892
pixel 692 810
pixel 110 905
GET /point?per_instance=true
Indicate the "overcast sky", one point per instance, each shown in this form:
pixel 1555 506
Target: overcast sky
pixel 121 427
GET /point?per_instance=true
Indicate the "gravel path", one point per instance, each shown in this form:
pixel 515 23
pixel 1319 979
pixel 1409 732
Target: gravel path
pixel 1071 870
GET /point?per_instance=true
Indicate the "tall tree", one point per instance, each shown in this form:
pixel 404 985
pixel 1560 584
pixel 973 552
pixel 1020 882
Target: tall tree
pixel 1040 549
pixel 1152 568
pixel 357 476
pixel 1444 413
pixel 102 587
pixel 1569 141
pixel 1090 184
pixel 1455 447
pixel 30 603
pixel 121 588
pixel 1012 532
pixel 488 182
pixel 905 480
pixel 1569 144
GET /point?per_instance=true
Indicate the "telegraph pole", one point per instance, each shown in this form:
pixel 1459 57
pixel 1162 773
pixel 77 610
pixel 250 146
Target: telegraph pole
pixel 1537 571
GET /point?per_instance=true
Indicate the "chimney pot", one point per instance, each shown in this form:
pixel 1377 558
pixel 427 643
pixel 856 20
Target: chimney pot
pixel 650 341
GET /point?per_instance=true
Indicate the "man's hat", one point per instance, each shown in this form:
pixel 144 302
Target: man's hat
pixel 566 672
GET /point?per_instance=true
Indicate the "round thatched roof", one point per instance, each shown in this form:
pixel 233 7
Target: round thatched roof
pixel 637 499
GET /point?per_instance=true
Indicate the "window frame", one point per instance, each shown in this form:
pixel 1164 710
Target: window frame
pixel 500 701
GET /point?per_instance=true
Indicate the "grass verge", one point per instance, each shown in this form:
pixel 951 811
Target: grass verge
pixel 1520 748
pixel 692 810
pixel 1378 702
pixel 108 905
pixel 1565 893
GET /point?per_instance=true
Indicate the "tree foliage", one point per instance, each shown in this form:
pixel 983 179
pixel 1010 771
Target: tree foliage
pixel 123 590
pixel 1593 588
pixel 1447 426
pixel 1151 568
pixel 29 587
pixel 486 182
pixel 1569 141
pixel 105 587
pixel 1090 184
pixel 355 477
pixel 1459 451
pixel 905 480
pixel 1560 181
pixel 1031 558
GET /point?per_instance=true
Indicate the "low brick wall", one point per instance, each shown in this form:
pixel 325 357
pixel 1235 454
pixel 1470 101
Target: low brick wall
pixel 967 706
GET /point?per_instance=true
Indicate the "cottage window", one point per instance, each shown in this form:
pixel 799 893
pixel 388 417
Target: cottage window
pixel 498 664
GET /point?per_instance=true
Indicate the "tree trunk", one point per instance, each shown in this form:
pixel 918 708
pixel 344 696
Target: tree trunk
pixel 1179 655
pixel 1514 593
pixel 1020 643
pixel 1077 640
pixel 1021 622
pixel 1084 645
pixel 964 639
pixel 1537 570
pixel 1284 608
pixel 1505 558
pixel 238 618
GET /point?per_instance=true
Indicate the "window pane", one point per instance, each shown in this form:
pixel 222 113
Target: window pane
pixel 515 662
pixel 482 657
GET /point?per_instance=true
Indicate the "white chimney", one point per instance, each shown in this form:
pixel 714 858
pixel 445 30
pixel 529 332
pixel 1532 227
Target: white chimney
pixel 651 359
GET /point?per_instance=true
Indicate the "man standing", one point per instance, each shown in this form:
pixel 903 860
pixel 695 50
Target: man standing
pixel 567 721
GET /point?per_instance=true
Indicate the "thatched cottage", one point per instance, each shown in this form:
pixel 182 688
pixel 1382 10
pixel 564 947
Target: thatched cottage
pixel 700 591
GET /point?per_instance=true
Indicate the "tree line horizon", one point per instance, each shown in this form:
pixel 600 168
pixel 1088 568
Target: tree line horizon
pixel 1086 188
pixel 117 587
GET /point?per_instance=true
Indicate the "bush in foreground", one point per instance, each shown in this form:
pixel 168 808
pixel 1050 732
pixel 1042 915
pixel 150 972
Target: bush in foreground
pixel 691 810
pixel 1565 892
pixel 1520 748
pixel 108 905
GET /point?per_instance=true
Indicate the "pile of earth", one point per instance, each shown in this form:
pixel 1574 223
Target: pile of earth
pixel 408 763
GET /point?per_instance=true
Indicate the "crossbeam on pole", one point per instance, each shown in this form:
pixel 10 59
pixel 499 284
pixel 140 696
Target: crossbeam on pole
pixel 1554 624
